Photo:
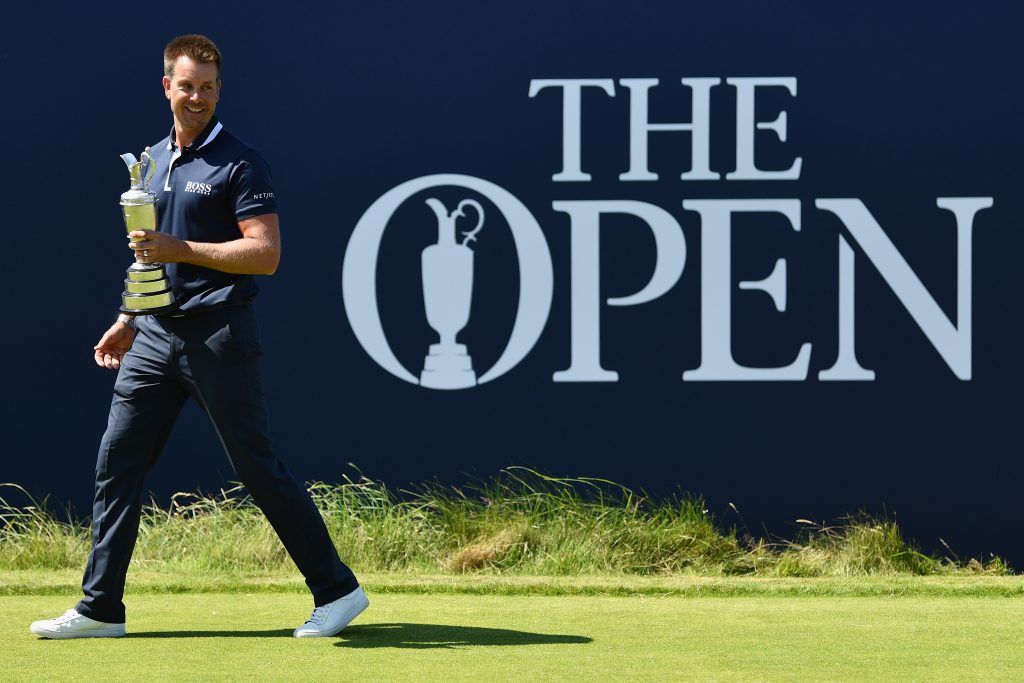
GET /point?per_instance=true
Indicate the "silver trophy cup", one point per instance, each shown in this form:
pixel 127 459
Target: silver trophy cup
pixel 146 288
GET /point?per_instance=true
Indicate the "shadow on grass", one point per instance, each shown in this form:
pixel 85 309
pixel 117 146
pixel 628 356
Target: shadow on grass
pixel 274 633
pixel 426 636
pixel 409 636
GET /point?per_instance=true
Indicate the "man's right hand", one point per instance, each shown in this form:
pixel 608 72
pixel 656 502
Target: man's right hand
pixel 115 343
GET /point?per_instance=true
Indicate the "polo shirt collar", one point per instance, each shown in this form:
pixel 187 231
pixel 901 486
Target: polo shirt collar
pixel 213 128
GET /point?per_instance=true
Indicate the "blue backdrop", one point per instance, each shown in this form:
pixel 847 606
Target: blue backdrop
pixel 893 107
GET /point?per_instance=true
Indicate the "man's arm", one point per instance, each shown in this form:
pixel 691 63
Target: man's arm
pixel 256 252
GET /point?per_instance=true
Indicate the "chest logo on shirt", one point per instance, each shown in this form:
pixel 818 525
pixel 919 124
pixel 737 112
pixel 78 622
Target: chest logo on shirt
pixel 199 188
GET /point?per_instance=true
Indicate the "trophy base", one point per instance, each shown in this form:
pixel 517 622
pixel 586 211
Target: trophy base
pixel 147 290
pixel 447 368
pixel 149 311
pixel 145 272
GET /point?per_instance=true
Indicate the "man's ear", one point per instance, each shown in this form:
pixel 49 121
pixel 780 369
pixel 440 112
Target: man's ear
pixel 167 87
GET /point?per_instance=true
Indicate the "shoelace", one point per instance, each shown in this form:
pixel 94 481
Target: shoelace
pixel 66 617
pixel 319 615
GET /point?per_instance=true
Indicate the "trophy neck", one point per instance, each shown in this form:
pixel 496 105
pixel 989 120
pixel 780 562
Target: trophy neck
pixel 140 172
pixel 138 196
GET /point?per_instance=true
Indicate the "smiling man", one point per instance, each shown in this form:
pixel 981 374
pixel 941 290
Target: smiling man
pixel 218 229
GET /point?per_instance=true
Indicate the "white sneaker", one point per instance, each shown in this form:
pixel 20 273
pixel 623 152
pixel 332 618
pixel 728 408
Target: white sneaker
pixel 71 624
pixel 330 619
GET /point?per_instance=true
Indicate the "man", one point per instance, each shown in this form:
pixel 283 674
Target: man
pixel 218 228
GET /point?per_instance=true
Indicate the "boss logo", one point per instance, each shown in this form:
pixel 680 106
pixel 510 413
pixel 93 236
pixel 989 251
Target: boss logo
pixel 201 188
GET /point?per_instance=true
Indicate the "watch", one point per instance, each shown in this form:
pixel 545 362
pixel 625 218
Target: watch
pixel 130 321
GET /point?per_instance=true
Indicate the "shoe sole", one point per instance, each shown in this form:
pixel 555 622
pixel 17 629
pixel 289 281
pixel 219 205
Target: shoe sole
pixel 363 603
pixel 68 635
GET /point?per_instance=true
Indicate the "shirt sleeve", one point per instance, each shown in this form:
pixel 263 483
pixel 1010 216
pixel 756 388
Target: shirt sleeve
pixel 252 191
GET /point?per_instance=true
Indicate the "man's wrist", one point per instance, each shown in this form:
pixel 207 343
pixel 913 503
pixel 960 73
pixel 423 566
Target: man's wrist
pixel 129 321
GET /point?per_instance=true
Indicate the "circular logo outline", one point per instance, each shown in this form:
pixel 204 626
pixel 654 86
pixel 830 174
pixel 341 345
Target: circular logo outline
pixel 359 273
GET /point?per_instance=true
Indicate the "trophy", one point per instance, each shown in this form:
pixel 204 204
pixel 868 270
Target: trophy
pixel 447 295
pixel 146 289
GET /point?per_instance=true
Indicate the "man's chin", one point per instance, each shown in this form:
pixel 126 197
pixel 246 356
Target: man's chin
pixel 192 122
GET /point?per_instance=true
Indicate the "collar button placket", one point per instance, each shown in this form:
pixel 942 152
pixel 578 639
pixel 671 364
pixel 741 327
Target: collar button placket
pixel 170 168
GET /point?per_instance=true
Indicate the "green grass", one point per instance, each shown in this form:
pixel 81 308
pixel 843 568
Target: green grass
pixel 26 582
pixel 519 523
pixel 476 637
pixel 521 577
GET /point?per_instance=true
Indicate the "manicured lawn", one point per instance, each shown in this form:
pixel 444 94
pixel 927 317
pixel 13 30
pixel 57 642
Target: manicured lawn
pixel 452 636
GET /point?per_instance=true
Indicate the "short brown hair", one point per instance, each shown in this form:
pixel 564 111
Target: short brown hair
pixel 198 48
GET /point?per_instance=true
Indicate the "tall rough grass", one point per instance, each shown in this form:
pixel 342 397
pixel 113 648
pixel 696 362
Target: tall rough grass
pixel 520 522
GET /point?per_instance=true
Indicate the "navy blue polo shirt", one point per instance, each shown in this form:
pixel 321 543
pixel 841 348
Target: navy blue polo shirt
pixel 202 192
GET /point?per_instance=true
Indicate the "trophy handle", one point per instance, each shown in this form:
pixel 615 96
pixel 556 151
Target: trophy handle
pixel 470 236
pixel 148 167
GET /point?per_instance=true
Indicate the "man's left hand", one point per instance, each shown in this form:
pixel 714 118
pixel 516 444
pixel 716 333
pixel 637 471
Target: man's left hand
pixel 153 246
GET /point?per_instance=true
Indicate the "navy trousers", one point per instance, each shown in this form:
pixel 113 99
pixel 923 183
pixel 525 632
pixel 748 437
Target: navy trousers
pixel 212 357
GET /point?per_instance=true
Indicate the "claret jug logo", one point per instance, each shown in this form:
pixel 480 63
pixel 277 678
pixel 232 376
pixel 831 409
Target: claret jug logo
pixel 448 265
pixel 447 295
pixel 448 281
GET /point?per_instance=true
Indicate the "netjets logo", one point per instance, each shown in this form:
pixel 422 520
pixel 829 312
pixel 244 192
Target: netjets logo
pixel 447 280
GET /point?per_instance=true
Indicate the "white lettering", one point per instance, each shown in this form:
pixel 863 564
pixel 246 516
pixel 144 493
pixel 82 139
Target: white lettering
pixel 717 363
pixel 199 188
pixel 846 368
pixel 571 115
pixel 670 249
pixel 640 127
pixel 952 342
pixel 745 168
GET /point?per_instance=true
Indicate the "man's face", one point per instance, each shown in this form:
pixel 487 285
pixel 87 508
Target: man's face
pixel 193 90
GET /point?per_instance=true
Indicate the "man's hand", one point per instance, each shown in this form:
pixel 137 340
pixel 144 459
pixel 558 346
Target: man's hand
pixel 257 251
pixel 115 343
pixel 156 246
